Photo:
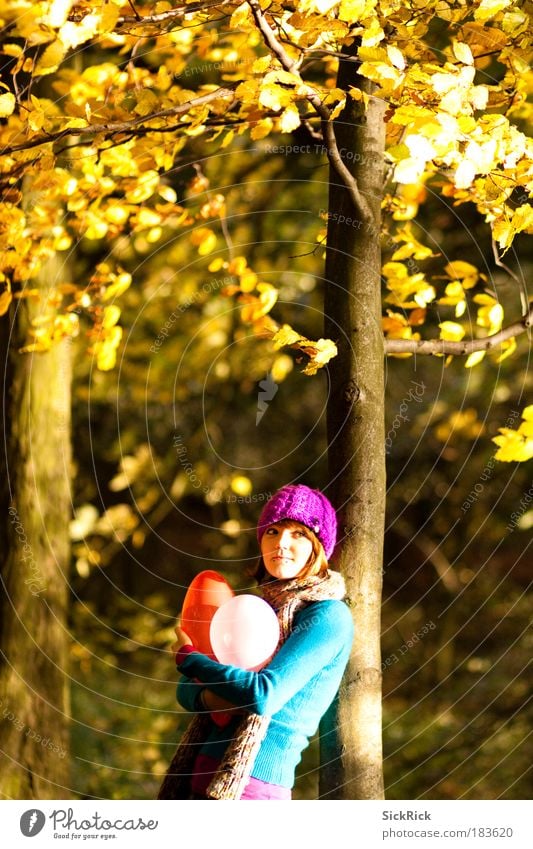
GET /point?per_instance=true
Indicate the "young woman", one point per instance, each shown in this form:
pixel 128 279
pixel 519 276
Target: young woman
pixel 250 728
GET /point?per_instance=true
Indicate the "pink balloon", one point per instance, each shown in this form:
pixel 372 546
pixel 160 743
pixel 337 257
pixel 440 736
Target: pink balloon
pixel 244 632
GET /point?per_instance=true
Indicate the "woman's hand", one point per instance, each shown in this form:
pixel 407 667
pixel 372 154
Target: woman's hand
pixel 182 639
pixel 216 703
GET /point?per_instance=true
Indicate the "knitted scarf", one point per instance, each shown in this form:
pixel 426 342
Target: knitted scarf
pixel 233 773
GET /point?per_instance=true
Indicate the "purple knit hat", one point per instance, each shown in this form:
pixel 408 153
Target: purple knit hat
pixel 305 505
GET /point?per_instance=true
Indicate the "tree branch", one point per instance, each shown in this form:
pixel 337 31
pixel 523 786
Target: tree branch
pixel 332 150
pixel 112 129
pixel 463 348
pixel 160 18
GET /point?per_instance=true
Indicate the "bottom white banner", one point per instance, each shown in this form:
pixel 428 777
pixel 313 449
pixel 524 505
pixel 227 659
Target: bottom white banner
pixel 193 825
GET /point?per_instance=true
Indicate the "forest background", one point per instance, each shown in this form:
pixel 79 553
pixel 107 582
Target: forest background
pixel 156 262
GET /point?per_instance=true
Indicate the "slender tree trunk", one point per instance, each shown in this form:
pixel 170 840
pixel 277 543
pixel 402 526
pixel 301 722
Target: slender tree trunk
pixel 351 732
pixel 35 499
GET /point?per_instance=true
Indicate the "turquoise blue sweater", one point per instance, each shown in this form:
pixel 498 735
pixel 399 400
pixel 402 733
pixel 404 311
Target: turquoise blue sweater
pixel 295 689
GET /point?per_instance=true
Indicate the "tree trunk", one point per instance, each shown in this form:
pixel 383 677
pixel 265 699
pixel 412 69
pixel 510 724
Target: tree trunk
pixel 351 732
pixel 35 501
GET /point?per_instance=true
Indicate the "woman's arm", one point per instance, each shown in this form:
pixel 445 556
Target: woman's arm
pixel 323 631
pixel 193 695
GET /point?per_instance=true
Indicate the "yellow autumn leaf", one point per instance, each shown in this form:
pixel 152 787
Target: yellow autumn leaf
pixel 289 119
pixel 106 349
pixel 204 239
pixel 464 271
pixel 147 217
pixel 58 12
pixel 147 102
pixel 241 18
pixel 285 336
pixel 117 287
pixel 96 227
pixel 238 266
pixel 526 429
pixel 7 104
pixel 261 129
pixel 479 97
pixel 320 353
pixel 168 194
pixel 409 170
pixel 373 32
pixel 465 174
pixel 474 359
pixel 247 90
pixel 408 114
pixel 282 77
pixel 262 64
pixel 281 367
pixel 490 314
pixel 254 308
pixel 228 138
pixel 383 73
pixel 117 214
pixel 462 52
pixel 451 331
pixel 523 219
pixel 274 97
pixel 111 316
pixel 507 349
pixel 513 446
pixel 411 247
pixel 251 311
pixel 109 13
pixel 248 281
pixel 487 9
pixel 396 325
pixel 323 6
pixel 12 50
pixel 50 58
pixel 5 300
pixel 268 296
pixel 396 56
pixel 503 233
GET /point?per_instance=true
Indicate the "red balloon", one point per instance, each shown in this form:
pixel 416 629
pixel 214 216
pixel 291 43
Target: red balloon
pixel 207 592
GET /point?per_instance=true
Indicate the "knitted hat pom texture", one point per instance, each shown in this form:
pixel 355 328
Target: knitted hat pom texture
pixel 305 505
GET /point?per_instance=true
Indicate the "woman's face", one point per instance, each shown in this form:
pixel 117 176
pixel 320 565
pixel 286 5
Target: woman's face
pixel 285 551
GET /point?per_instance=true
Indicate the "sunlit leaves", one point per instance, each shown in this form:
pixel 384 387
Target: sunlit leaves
pixel 256 307
pixel 105 346
pixel 490 313
pixel 397 326
pixel 460 424
pixel 463 276
pixel 451 331
pixel 449 128
pixel 7 104
pixel 487 9
pixel 204 239
pixel 49 329
pixel 319 352
pixel 506 228
pixel 516 445
pixel 407 290
pixel 5 298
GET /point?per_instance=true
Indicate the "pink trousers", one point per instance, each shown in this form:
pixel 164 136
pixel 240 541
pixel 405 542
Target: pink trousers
pixel 204 769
